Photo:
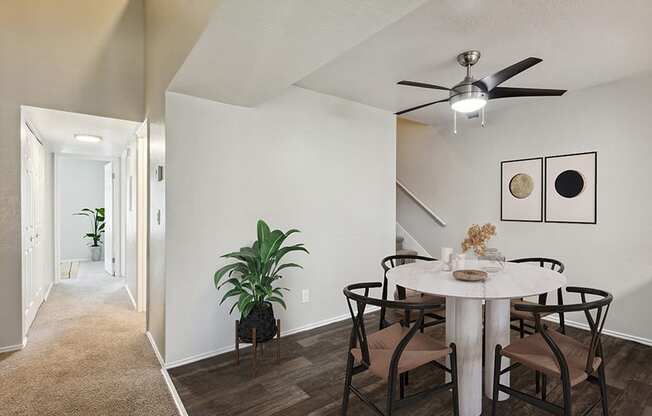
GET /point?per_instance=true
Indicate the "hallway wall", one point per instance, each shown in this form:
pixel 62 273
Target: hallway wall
pixel 80 184
pixel 172 28
pixel 302 160
pixel 74 55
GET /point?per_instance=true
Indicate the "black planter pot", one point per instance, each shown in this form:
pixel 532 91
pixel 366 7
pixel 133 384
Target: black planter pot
pixel 261 317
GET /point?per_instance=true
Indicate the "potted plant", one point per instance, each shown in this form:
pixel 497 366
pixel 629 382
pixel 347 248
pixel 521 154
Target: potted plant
pixel 97 223
pixel 253 281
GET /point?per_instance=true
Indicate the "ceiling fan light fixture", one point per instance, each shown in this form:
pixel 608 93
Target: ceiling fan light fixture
pixel 468 102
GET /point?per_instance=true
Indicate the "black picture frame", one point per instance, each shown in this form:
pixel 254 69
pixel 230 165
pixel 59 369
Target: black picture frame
pixel 542 189
pixel 595 189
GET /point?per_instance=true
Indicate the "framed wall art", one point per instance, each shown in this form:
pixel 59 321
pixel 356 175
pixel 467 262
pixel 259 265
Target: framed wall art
pixel 571 188
pixel 521 190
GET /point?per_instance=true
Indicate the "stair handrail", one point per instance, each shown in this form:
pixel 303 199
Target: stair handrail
pixel 423 206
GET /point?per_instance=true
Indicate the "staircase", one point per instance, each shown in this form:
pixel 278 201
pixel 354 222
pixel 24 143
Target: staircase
pixel 400 249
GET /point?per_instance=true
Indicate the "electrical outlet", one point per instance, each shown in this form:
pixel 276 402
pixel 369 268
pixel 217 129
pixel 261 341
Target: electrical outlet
pixel 305 296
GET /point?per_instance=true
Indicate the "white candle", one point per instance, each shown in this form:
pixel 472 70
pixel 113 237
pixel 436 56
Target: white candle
pixel 446 253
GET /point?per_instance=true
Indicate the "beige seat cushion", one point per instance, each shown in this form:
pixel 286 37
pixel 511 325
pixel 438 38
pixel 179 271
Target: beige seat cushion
pixel 534 352
pixel 421 350
pixel 526 316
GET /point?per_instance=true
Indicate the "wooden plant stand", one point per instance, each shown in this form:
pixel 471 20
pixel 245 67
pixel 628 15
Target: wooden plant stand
pixel 255 344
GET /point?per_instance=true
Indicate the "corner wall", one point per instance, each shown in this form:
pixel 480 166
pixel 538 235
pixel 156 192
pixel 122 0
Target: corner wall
pixel 172 28
pixel 301 160
pixel 459 177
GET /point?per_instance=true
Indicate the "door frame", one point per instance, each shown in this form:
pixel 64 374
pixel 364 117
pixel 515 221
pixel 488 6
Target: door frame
pixel 142 209
pixel 111 265
pixel 57 208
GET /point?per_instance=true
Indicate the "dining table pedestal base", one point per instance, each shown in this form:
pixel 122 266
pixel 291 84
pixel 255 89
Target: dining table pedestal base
pixel 497 315
pixel 464 328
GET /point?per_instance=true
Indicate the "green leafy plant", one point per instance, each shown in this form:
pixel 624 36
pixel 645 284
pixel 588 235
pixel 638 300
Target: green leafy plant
pixel 256 269
pixel 97 223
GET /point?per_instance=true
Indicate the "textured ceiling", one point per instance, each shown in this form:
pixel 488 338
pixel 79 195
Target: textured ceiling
pixel 58 128
pixel 582 43
pixel 252 50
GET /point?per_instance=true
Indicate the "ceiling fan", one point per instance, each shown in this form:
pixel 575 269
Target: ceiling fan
pixel 470 95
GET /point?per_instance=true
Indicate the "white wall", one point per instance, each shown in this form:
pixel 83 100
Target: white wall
pixel 459 177
pixel 306 160
pixel 80 184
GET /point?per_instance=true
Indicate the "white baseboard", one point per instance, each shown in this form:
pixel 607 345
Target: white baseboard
pixel 17 347
pixel 159 357
pixel 173 391
pixel 166 376
pixel 229 348
pixel 131 297
pixel 615 334
pixel 47 292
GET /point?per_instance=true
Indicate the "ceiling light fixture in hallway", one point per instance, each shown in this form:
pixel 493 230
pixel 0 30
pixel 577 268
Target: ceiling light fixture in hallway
pixel 88 138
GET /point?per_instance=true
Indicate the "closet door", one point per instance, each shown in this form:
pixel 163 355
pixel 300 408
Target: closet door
pixel 33 199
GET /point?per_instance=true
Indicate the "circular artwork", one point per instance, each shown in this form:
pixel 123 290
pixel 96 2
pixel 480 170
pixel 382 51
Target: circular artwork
pixel 569 183
pixel 521 185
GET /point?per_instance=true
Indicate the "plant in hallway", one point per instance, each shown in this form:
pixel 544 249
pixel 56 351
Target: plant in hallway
pixel 97 229
pixel 253 280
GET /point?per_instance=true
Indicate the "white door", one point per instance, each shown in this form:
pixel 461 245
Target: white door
pixel 108 218
pixel 32 182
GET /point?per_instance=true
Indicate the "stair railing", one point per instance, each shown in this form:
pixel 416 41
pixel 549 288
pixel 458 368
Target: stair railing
pixel 423 206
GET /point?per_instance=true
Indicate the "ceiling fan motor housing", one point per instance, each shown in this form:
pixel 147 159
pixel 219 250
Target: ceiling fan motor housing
pixel 466 90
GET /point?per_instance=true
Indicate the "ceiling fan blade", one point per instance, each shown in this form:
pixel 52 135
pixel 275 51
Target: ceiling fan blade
pixel 507 92
pixel 419 106
pixel 422 85
pixel 492 81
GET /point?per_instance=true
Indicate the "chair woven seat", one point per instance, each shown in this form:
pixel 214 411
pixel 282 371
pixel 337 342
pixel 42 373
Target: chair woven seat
pixel 412 296
pixel 533 352
pixel 527 316
pixel 421 350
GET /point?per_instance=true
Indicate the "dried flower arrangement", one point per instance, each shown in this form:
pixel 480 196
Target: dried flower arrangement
pixel 477 237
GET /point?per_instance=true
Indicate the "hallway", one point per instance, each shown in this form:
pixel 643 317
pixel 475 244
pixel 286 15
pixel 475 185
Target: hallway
pixel 87 354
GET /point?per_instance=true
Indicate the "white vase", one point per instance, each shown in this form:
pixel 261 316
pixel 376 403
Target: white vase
pixel 96 253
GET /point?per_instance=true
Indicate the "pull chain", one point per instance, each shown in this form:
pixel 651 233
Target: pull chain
pixel 482 116
pixel 454 122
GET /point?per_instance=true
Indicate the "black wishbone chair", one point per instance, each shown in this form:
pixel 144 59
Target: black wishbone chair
pixel 393 351
pixel 436 315
pixel 524 318
pixel 556 355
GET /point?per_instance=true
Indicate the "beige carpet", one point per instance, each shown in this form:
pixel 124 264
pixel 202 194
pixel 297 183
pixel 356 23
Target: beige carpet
pixel 86 355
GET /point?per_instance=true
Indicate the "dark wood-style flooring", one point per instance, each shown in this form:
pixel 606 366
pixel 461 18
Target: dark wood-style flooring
pixel 309 380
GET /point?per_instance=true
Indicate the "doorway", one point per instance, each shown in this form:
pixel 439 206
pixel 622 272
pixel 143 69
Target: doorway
pixel 84 204
pixel 86 214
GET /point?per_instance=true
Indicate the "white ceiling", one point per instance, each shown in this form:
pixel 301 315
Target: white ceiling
pixel 57 130
pixel 582 43
pixel 252 50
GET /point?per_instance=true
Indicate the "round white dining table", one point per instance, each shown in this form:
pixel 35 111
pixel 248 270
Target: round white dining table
pixel 464 322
